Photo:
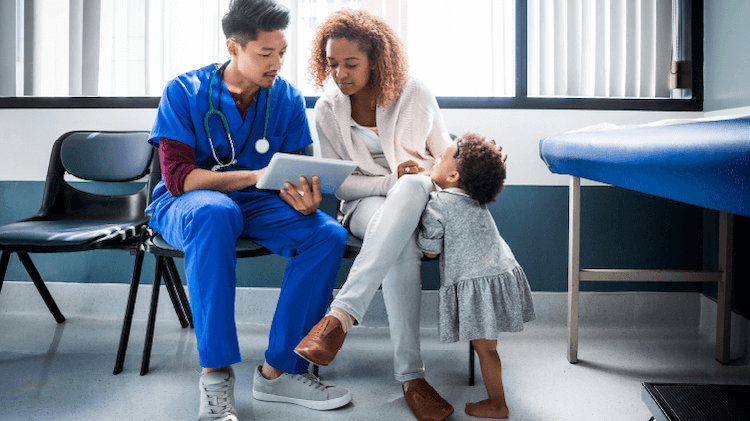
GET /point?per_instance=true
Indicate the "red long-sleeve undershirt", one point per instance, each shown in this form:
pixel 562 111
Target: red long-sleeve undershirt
pixel 177 161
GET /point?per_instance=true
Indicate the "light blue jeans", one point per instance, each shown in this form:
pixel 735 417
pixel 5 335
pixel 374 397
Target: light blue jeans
pixel 390 256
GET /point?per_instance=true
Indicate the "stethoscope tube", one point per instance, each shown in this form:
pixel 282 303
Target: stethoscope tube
pixel 261 145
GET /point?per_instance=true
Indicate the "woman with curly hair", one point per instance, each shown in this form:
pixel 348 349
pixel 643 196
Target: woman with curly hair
pixel 390 124
pixel 483 289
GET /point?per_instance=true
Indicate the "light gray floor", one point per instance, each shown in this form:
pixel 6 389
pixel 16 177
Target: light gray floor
pixel 64 372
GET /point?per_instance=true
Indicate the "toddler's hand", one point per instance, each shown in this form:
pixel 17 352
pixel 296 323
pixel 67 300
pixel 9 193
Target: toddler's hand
pixel 430 255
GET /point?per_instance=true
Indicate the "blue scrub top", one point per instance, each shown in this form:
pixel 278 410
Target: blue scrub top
pixel 185 102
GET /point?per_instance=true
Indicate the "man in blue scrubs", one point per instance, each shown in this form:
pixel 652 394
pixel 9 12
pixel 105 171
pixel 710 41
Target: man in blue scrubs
pixel 206 200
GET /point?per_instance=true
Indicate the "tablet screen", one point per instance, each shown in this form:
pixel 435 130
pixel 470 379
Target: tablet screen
pixel 289 167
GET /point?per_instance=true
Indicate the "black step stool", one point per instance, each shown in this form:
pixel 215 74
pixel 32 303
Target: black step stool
pixel 697 402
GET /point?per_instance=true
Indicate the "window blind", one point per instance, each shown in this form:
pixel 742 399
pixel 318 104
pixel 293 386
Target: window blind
pixel 599 48
pixel 574 48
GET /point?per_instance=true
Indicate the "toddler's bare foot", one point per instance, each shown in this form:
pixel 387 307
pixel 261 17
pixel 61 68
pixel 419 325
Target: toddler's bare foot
pixel 486 409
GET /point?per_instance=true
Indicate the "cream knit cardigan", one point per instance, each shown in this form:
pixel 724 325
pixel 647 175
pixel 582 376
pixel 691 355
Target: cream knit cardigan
pixel 411 128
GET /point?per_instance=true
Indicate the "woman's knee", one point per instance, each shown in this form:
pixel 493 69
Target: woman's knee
pixel 415 184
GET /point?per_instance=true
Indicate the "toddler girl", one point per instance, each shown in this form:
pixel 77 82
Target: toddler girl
pixel 483 289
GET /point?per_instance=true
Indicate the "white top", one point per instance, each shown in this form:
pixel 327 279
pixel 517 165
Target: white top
pixel 369 135
pixel 411 128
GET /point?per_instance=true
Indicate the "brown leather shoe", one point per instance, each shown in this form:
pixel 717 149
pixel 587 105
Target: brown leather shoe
pixel 425 402
pixel 323 342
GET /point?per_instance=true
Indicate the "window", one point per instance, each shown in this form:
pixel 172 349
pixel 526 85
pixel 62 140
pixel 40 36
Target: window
pixel 600 54
pixel 463 48
pixel 599 48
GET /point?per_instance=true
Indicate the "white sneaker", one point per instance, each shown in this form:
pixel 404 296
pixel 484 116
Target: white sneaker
pixel 217 396
pixel 301 389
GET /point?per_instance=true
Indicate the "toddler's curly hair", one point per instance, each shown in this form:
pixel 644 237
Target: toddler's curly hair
pixel 481 168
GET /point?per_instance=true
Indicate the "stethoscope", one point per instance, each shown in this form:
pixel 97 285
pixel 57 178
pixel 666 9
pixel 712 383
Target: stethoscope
pixel 261 145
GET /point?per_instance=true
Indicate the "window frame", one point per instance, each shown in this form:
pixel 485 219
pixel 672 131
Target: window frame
pixel 520 101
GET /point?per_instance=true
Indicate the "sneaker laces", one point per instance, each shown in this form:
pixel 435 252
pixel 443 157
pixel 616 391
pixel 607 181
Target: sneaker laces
pixel 218 402
pixel 313 380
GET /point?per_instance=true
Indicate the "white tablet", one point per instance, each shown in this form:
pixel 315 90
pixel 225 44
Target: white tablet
pixel 289 167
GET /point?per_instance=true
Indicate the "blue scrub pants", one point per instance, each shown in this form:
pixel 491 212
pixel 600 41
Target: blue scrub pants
pixel 205 226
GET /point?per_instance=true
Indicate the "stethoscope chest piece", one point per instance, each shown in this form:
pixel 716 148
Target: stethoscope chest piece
pixel 262 146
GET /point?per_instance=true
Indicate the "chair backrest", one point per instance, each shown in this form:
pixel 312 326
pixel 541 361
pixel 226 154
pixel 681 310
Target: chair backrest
pixel 110 157
pixel 105 156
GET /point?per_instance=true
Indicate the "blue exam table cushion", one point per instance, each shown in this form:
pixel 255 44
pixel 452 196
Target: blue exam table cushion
pixel 705 163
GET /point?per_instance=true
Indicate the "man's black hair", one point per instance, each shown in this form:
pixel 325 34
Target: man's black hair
pixel 246 17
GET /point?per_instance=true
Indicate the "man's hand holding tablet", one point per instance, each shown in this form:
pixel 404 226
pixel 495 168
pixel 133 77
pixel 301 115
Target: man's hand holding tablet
pixel 314 175
pixel 303 199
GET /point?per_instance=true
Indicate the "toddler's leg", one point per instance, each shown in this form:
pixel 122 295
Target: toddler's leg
pixel 489 362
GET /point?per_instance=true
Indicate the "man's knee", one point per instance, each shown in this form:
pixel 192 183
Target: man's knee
pixel 217 210
pixel 334 232
pixel 327 235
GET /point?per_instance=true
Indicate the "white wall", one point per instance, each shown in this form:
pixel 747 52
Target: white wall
pixel 726 54
pixel 27 135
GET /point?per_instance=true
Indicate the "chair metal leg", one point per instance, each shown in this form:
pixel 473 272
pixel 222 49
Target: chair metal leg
pixel 173 296
pixel 172 269
pixel 146 359
pixel 4 259
pixel 39 283
pixel 471 364
pixel 129 309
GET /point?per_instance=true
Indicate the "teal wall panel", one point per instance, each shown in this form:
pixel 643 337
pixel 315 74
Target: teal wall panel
pixel 619 229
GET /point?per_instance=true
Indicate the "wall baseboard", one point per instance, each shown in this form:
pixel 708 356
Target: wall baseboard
pixel 618 310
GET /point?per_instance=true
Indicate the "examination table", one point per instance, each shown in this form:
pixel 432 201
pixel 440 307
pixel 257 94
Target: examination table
pixel 704 163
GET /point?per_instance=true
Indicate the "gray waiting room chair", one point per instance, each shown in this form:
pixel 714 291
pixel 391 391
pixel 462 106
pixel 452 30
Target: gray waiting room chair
pixel 78 216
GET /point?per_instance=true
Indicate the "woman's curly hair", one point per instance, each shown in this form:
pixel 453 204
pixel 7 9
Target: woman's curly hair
pixel 386 54
pixel 481 168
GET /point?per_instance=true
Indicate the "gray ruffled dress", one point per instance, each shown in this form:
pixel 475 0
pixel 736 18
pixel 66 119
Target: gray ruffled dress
pixel 483 291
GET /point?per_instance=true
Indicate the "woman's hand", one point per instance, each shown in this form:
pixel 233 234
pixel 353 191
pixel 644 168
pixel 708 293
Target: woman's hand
pixel 409 167
pixel 303 199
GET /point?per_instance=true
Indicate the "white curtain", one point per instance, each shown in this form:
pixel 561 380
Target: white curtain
pixel 115 47
pixel 145 43
pixel 46 50
pixel 576 48
pixel 599 48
